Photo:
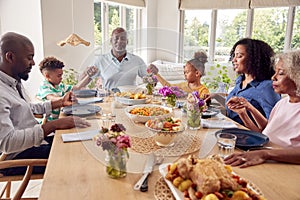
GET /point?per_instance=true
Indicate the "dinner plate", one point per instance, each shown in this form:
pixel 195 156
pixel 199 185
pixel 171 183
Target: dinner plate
pixel 246 139
pixel 85 93
pixel 81 110
pixel 210 112
pixel 178 195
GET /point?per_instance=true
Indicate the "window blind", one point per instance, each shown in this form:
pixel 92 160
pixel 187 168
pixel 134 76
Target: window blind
pixel 137 3
pixel 234 4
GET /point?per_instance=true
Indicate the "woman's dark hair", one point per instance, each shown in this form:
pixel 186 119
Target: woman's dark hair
pixel 259 62
pixel 50 63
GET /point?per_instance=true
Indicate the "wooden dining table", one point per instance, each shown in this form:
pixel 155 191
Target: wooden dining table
pixel 76 171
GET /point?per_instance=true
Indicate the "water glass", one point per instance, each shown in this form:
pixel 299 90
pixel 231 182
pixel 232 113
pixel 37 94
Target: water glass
pixel 226 143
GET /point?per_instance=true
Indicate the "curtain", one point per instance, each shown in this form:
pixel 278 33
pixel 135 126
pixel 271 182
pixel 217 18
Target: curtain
pixel 273 3
pixel 138 3
pixel 213 4
pixel 234 4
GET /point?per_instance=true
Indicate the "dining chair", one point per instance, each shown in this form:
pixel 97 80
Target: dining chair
pixel 29 163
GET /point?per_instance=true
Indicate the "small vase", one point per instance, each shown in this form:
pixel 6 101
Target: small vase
pixel 149 88
pixel 116 163
pixel 193 116
pixel 171 100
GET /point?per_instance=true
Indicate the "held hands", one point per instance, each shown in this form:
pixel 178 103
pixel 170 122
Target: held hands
pixel 152 69
pixel 238 104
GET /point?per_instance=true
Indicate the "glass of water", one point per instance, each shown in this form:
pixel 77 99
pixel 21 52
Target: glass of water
pixel 226 143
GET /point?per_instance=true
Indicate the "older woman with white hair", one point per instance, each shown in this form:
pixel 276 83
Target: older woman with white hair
pixel 284 122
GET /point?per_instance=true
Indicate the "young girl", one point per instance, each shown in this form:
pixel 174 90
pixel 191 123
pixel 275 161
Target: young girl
pixel 194 69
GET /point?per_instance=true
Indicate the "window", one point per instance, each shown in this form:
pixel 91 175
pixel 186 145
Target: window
pixel 295 44
pixel 269 25
pixel 108 16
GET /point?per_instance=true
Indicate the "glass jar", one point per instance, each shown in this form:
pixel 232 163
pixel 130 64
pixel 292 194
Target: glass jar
pixel 116 163
pixel 150 88
pixel 171 100
pixel 193 116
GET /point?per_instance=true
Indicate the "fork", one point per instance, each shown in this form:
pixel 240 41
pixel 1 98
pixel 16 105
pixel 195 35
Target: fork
pixel 158 160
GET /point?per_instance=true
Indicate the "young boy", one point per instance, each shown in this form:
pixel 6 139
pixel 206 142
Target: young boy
pixel 52 88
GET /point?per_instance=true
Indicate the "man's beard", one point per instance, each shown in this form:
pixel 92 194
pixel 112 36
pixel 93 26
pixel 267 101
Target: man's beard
pixel 23 76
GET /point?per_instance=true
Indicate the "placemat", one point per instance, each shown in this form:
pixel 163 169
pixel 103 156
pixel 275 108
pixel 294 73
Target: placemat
pixel 162 191
pixel 186 142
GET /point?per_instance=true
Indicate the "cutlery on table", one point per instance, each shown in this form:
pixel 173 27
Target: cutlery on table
pixel 147 170
pixel 158 160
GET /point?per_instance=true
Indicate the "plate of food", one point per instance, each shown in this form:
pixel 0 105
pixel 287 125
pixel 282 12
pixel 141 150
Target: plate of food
pixel 166 130
pixel 81 110
pixel 85 93
pixel 246 139
pixel 144 112
pixel 131 98
pixel 206 179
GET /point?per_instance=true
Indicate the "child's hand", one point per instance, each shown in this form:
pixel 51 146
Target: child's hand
pixel 152 69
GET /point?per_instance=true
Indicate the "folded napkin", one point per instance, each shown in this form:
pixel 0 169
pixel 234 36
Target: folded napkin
pixel 207 123
pixel 88 101
pixel 81 136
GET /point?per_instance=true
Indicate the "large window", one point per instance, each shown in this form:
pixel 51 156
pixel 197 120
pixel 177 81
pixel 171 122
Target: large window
pixel 108 16
pixel 267 24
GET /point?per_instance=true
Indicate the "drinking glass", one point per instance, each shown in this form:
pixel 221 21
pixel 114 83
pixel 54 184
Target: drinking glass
pixel 226 143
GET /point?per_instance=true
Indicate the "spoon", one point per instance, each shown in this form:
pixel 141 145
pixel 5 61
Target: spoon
pixel 158 160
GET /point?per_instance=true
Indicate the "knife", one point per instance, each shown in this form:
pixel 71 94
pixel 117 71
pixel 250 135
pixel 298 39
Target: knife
pixel 147 171
pixel 208 144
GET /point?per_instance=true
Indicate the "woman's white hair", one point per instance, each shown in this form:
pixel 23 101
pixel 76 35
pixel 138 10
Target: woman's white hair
pixel 291 60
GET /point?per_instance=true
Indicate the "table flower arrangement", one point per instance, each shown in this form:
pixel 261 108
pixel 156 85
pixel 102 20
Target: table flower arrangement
pixel 116 143
pixel 151 82
pixel 194 106
pixel 171 94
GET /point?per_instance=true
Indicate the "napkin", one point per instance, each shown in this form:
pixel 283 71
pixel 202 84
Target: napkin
pixel 81 136
pixel 88 101
pixel 206 123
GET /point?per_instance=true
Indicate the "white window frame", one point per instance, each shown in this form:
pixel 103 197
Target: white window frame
pixel 105 23
pixel 249 29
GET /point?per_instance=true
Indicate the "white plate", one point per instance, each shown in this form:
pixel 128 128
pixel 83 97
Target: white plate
pixel 143 119
pixel 128 101
pixel 163 169
pixel 81 110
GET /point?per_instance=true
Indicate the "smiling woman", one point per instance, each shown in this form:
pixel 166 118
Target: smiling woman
pixel 284 117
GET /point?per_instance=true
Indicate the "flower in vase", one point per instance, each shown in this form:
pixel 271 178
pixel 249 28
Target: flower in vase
pixel 151 82
pixel 116 143
pixel 195 102
pixel 171 93
pixel 194 106
pixel 114 139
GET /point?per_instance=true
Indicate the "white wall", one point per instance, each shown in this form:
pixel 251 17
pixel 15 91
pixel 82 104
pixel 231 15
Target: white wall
pixel 27 22
pixel 46 23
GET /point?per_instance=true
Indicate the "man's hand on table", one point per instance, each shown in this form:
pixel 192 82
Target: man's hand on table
pixel 64 123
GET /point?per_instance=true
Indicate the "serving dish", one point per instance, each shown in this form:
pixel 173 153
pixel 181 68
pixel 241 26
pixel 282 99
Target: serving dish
pixel 128 101
pixel 165 138
pixel 81 110
pixel 178 195
pixel 246 139
pixel 158 112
